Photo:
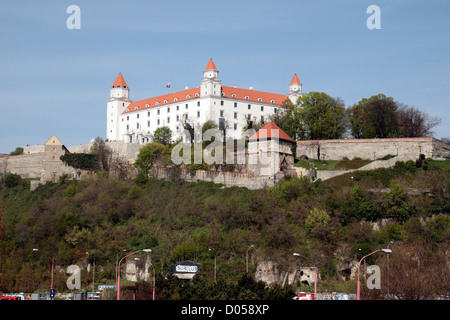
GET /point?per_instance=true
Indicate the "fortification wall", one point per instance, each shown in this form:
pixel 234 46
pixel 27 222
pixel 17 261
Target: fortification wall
pixel 25 165
pixel 228 179
pixel 120 149
pixel 373 149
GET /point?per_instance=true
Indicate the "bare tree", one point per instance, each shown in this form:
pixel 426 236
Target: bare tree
pixel 416 123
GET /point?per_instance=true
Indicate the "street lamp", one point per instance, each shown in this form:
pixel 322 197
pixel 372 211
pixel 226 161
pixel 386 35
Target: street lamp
pixel 117 261
pixel 53 263
pixel 315 273
pixel 246 257
pixel 388 251
pixel 118 275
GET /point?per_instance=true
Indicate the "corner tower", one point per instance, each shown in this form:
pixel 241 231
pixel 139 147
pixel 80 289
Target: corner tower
pixel 295 89
pixel 211 84
pixel 118 101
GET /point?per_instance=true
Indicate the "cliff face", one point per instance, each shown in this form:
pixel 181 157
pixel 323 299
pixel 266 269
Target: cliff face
pixel 269 273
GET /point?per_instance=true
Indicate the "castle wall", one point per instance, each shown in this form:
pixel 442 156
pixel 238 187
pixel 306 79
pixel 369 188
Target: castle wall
pixel 373 149
pixel 25 165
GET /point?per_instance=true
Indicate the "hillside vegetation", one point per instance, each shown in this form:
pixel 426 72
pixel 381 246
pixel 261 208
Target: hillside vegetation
pixel 330 223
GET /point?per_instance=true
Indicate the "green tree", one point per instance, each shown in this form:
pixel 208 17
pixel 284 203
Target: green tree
pixel 163 135
pixel 323 117
pixel 19 150
pixel 148 155
pixel 375 117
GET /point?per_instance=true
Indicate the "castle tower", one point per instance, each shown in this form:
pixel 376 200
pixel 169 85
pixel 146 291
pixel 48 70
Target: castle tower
pixel 269 151
pixel 295 89
pixel 52 166
pixel 211 84
pixel 117 103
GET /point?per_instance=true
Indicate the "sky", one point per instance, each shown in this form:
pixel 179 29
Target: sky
pixel 56 80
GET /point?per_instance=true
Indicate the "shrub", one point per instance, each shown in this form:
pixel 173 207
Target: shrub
pixel 12 180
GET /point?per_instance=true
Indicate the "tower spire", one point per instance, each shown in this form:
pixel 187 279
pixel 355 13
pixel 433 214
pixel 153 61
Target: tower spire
pixel 119 82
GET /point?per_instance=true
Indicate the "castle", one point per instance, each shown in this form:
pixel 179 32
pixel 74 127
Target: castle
pixel 230 107
pixel 268 157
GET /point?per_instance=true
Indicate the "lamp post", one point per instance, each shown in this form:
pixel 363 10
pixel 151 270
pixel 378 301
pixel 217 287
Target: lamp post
pixel 118 275
pixel 246 257
pixel 315 273
pixel 117 261
pixel 359 266
pixel 53 263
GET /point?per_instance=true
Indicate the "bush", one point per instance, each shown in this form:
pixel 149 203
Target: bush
pixel 12 180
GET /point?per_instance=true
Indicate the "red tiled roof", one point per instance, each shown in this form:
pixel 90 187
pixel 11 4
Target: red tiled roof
pixel 211 65
pixel 228 92
pixel 295 79
pixel 120 81
pixel 270 130
pixel 252 95
pixel 165 99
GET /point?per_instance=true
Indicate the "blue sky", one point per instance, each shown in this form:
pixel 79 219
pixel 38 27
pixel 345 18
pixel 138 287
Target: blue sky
pixel 56 81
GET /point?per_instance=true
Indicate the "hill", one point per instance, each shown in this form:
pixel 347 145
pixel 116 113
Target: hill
pixel 331 223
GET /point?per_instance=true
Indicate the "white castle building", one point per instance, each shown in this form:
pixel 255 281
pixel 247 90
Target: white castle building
pixel 230 108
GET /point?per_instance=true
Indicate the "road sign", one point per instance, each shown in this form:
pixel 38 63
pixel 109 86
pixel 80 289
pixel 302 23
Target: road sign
pixel 52 293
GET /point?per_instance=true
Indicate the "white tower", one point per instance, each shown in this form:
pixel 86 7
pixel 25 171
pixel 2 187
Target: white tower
pixel 117 103
pixel 295 89
pixel 211 84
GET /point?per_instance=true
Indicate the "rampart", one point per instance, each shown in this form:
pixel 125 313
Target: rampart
pixel 373 149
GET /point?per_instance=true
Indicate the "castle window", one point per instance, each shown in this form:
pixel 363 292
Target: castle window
pixel 159 111
pixel 198 103
pixel 128 118
pixel 176 99
pixel 233 95
pixel 158 122
pixel 178 118
pixel 221 103
pixel 246 97
pixel 235 104
pixel 188 97
pixel 168 119
pixel 249 106
pixel 235 126
pixel 165 101
pixel 273 101
pixel 148 114
pixel 137 125
pixel 262 108
pixel 137 116
pixel 168 110
pixel 178 108
pixel 249 117
pixel 147 105
pixel 198 94
pixel 198 114
pixel 156 103
pixel 235 115
pixel 186 105
pixel 275 110
pixel 148 123
pixel 135 108
pixel 221 113
pixel 259 99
